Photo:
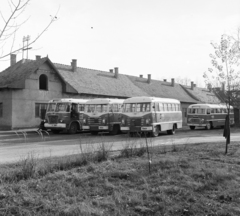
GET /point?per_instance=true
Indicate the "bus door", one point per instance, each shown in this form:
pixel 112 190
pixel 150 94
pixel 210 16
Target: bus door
pixel 74 112
pixel 155 107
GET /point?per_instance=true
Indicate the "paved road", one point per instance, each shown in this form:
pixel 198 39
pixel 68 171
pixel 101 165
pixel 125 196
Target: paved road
pixel 16 146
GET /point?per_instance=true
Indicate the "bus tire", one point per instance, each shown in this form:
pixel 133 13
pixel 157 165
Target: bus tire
pixel 94 132
pixel 192 127
pixel 155 131
pixel 208 126
pixel 115 130
pixel 55 131
pixel 173 131
pixel 73 128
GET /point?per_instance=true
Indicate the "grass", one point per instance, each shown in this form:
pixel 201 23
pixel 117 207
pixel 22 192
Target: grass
pixel 184 180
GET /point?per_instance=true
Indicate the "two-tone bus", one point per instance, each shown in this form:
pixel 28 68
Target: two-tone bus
pixel 208 115
pixel 151 115
pixel 65 114
pixel 103 115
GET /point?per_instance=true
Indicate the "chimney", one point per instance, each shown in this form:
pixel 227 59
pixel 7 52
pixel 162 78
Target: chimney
pixel 74 65
pixel 149 78
pixel 111 70
pixel 192 85
pixel 38 57
pixel 223 86
pixel 13 59
pixel 164 80
pixel 173 82
pixel 141 76
pixel 116 72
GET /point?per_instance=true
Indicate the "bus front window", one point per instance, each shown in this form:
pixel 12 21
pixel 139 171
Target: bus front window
pixel 51 107
pixel 89 108
pixel 101 108
pixel 63 107
pixel 143 107
pixel 129 107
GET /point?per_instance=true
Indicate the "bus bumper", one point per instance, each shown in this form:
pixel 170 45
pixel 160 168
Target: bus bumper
pixel 55 126
pixel 96 128
pixel 197 125
pixel 137 129
pixel 85 127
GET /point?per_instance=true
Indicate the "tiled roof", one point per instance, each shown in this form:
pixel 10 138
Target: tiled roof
pixel 14 76
pixel 89 81
pixel 163 89
pixel 203 95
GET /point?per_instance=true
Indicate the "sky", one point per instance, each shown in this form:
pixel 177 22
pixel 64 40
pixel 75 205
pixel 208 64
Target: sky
pixel 164 38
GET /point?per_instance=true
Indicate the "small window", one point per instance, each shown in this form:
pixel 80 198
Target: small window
pixel 1 110
pixel 40 110
pixel 160 107
pixel 43 82
pixel 81 107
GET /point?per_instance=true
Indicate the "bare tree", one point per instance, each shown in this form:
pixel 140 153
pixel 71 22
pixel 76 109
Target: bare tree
pixel 225 61
pixel 10 23
pixel 183 81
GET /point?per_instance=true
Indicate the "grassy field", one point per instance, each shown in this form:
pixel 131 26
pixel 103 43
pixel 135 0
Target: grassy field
pixel 171 180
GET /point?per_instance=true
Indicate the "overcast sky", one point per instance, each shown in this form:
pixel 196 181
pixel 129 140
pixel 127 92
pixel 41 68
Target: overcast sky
pixel 165 38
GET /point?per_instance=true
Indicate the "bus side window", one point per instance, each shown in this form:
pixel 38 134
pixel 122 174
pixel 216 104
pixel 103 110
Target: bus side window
pixel 212 111
pixel 208 111
pixel 160 107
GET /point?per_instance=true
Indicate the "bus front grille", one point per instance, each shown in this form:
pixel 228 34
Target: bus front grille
pixel 94 121
pixel 195 120
pixel 53 119
pixel 136 122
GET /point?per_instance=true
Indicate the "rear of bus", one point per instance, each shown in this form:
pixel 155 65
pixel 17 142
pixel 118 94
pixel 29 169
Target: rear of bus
pixel 65 115
pixel 151 115
pixel 103 115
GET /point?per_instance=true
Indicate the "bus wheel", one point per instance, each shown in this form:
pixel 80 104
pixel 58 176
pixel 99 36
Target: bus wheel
pixel 155 131
pixel 172 132
pixel 192 127
pixel 55 131
pixel 115 130
pixel 94 132
pixel 208 126
pixel 73 128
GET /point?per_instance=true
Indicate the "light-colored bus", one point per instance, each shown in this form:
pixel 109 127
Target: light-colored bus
pixel 65 114
pixel 151 115
pixel 208 115
pixel 103 114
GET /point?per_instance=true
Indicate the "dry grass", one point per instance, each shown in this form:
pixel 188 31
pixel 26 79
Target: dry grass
pixel 184 180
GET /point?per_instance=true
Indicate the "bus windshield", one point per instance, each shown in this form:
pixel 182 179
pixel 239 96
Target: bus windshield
pixel 197 111
pixel 63 107
pixel 138 107
pixel 51 107
pixel 96 108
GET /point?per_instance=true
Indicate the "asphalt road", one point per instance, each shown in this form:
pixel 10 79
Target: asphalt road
pixel 16 146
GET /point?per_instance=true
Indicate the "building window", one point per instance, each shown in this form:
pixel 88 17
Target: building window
pixel 1 110
pixel 40 110
pixel 43 82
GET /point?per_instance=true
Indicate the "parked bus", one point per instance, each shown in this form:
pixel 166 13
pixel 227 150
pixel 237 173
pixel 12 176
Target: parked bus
pixel 103 114
pixel 151 115
pixel 65 114
pixel 208 115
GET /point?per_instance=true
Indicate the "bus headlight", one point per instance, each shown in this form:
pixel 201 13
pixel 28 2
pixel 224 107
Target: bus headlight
pixel 60 120
pixel 84 121
pixel 123 121
pixel 202 120
pixel 189 120
pixel 148 121
pixel 104 121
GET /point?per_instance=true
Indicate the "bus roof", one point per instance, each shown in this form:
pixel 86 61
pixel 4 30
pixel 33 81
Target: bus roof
pixel 145 99
pixel 69 100
pixel 105 101
pixel 216 106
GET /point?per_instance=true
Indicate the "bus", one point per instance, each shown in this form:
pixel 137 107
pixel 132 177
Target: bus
pixel 151 115
pixel 103 115
pixel 65 115
pixel 208 115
